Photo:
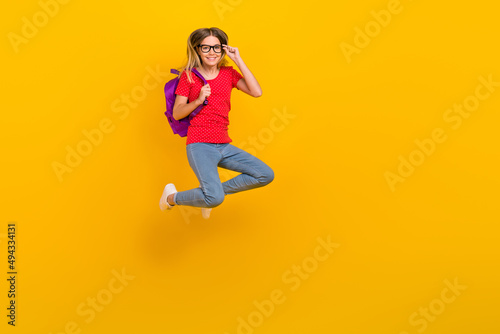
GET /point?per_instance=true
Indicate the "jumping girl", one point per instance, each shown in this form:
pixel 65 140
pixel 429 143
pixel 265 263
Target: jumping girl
pixel 208 143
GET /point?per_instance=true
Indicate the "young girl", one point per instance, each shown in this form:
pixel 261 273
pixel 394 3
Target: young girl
pixel 208 143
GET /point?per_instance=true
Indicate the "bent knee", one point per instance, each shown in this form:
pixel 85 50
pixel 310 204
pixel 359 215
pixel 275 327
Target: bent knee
pixel 214 200
pixel 267 177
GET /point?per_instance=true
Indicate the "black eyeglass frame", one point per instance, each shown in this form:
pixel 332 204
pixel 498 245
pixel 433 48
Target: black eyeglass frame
pixel 210 47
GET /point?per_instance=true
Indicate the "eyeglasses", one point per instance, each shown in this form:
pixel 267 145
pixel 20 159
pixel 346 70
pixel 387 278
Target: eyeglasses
pixel 206 48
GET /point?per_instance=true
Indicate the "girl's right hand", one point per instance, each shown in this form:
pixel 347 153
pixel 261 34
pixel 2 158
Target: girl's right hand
pixel 204 93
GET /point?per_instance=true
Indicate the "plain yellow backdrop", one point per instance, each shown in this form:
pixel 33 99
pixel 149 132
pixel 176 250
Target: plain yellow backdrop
pixel 383 214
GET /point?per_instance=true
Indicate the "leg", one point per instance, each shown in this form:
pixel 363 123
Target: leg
pixel 203 159
pixel 255 173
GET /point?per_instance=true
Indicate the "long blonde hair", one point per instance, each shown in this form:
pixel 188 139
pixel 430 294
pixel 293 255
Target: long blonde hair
pixel 193 58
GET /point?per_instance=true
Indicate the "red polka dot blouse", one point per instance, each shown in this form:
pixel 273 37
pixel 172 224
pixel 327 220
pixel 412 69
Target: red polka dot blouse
pixel 210 125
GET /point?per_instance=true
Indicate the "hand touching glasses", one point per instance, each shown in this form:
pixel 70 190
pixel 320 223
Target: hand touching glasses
pixel 232 52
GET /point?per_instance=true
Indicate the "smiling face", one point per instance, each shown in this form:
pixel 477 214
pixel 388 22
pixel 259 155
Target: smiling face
pixel 210 58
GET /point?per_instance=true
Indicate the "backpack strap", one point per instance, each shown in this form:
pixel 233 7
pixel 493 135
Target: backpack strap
pixel 204 82
pixel 197 110
pixel 199 74
pixel 195 71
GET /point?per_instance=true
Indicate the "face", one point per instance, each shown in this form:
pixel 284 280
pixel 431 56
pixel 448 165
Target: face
pixel 210 58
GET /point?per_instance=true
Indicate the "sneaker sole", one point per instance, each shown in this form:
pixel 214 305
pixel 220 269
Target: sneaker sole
pixel 167 191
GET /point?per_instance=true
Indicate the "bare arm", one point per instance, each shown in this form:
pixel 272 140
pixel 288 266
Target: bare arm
pixel 248 83
pixel 182 108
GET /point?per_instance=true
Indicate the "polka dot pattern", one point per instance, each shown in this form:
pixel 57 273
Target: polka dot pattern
pixel 210 125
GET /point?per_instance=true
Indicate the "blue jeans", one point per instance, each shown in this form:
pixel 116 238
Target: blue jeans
pixel 204 158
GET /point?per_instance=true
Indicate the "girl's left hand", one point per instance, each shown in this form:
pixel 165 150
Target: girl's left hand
pixel 232 52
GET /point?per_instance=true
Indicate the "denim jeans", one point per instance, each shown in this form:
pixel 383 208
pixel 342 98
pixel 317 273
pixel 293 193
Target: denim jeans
pixel 204 158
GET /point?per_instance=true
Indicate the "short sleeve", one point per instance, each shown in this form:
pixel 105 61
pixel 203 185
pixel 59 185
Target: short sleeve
pixel 236 76
pixel 183 87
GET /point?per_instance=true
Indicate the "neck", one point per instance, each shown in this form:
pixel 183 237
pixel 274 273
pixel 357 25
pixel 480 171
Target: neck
pixel 209 69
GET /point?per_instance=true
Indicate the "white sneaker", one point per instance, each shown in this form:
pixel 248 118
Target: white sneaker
pixel 169 189
pixel 205 212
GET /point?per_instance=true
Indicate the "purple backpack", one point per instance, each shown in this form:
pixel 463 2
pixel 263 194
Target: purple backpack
pixel 180 127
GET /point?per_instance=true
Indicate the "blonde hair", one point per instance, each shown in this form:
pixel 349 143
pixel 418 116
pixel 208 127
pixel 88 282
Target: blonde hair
pixel 193 58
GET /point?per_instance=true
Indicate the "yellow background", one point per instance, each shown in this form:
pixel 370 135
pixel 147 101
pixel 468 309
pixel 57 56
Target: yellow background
pixel 350 122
